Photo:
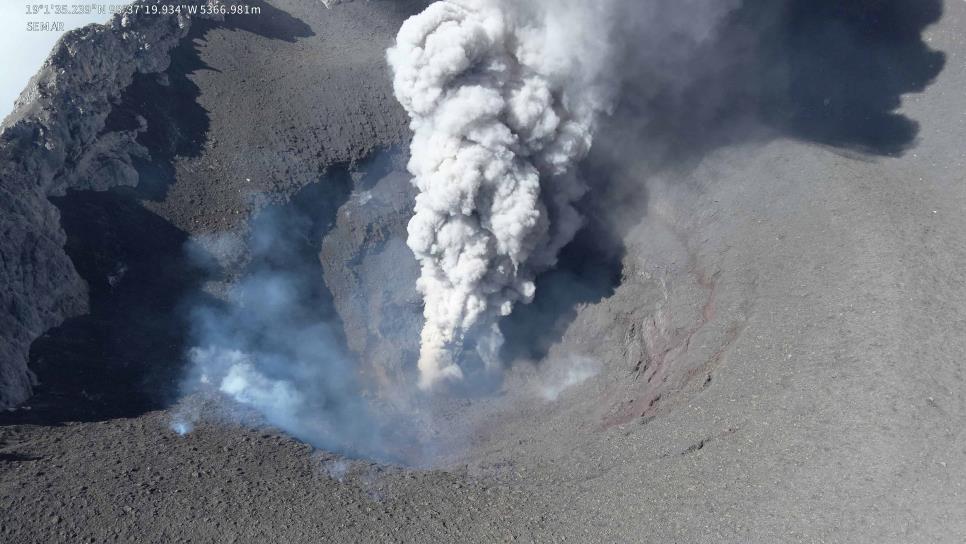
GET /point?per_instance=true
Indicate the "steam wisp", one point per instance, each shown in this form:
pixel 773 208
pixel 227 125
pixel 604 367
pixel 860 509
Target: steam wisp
pixel 270 345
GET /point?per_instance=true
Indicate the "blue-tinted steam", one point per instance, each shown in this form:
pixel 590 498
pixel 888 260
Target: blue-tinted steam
pixel 275 343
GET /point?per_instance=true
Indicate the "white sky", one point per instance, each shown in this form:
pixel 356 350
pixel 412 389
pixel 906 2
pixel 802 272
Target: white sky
pixel 22 52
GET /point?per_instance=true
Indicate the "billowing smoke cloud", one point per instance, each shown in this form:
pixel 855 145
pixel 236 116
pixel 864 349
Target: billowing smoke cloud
pixel 503 98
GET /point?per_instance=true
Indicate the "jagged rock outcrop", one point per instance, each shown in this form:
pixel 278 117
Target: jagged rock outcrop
pixel 52 142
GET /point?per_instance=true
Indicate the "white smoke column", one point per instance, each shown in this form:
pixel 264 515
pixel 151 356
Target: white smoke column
pixel 503 98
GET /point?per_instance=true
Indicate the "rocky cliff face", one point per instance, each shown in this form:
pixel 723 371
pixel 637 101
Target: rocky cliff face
pixel 53 142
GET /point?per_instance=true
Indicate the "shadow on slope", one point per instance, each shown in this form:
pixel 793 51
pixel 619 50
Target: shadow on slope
pixel 269 22
pixel 123 358
pixel 842 68
pixel 177 126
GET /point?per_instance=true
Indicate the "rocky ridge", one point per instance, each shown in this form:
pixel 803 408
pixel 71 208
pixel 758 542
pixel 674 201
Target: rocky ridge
pixel 53 142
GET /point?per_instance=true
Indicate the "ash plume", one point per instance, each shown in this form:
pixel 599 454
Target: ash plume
pixel 503 99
